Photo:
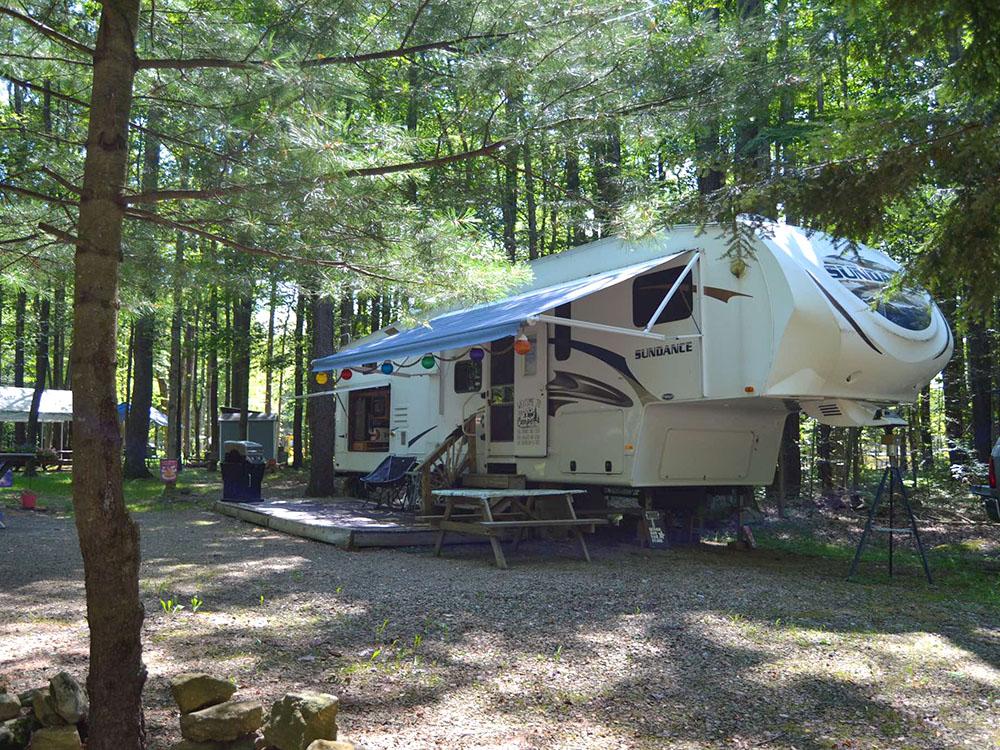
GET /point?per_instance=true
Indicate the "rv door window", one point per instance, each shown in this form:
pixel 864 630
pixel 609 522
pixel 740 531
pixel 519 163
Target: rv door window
pixel 501 397
pixel 368 420
pixel 648 292
pixel 468 376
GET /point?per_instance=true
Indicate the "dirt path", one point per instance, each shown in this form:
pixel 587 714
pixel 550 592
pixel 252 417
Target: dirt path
pixel 682 649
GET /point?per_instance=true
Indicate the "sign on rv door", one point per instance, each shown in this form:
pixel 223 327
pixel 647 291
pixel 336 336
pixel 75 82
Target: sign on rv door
pixel 530 397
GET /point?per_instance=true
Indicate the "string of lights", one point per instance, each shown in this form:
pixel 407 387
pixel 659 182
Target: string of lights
pixel 521 345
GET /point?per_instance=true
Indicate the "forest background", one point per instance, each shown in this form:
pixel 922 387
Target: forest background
pixel 192 192
pixel 284 201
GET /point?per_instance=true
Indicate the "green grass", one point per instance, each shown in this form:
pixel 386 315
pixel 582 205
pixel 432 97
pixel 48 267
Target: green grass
pixel 54 490
pixel 956 570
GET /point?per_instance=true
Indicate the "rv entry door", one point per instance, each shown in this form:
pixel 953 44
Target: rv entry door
pixel 530 394
pixel 500 399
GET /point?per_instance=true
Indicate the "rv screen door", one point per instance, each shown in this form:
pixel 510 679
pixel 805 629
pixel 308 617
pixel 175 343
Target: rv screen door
pixel 530 402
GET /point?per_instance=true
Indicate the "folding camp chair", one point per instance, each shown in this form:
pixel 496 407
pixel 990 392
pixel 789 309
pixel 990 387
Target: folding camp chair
pixel 387 485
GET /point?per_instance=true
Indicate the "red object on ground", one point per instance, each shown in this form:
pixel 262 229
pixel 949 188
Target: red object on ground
pixel 28 499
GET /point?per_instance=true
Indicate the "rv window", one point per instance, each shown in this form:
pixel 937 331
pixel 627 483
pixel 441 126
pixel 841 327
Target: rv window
pixel 563 335
pixel 368 420
pixel 648 292
pixel 468 376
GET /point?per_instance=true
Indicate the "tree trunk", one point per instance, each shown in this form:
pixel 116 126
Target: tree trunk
pixel 300 314
pixel 926 436
pixel 576 234
pixel 187 384
pixel 788 479
pixel 109 538
pixel 606 158
pixel 175 377
pixel 137 419
pixel 321 412
pixel 197 392
pixel 228 358
pixel 529 202
pixel 707 143
pixel 213 382
pixel 980 382
pixel 3 426
pixel 242 313
pixel 792 452
pixel 41 371
pixel 282 362
pixel 508 203
pixel 130 357
pixel 345 320
pixel 953 381
pixel 59 338
pixel 824 457
pixel 269 357
pixel 20 307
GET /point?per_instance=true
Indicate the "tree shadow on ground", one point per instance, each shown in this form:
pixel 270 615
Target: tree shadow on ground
pixel 703 646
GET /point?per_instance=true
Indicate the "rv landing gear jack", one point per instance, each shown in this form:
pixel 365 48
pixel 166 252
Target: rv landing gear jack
pixel 891 478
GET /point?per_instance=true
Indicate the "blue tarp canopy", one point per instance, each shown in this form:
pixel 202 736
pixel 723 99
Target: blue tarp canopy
pixel 156 416
pixel 480 324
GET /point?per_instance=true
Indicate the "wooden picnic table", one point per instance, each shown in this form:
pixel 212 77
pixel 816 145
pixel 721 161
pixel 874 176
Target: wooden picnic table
pixel 489 512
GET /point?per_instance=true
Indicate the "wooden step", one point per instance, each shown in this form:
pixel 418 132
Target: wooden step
pixel 494 481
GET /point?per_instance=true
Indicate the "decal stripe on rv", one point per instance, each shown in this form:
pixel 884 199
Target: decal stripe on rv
pixel 415 439
pixel 842 311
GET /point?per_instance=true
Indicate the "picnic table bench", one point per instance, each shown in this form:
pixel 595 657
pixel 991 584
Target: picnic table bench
pixel 487 512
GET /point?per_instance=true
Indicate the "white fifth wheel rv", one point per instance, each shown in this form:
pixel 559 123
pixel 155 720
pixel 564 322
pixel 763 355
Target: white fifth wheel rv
pixel 651 363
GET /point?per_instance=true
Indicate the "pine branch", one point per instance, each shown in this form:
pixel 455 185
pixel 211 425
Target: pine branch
pixel 148 216
pixel 59 234
pixel 61 180
pixel 34 58
pixel 28 193
pixel 16 240
pixel 164 137
pixel 154 196
pixel 43 136
pixel 413 23
pixel 48 31
pixel 195 63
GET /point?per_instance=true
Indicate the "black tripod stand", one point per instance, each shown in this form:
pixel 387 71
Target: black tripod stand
pixel 891 479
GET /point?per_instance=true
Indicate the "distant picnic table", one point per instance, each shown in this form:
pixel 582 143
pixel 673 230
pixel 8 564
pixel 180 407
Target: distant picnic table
pixel 489 512
pixel 13 460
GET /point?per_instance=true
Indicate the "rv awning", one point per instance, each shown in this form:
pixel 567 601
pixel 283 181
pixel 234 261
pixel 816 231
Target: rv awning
pixel 483 323
pixel 54 406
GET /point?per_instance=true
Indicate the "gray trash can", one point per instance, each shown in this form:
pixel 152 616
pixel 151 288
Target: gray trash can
pixel 242 470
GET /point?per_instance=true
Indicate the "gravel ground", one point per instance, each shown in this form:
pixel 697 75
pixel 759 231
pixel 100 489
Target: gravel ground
pixel 695 648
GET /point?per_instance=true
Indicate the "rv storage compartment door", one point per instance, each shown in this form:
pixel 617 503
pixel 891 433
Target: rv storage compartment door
pixel 715 455
pixel 530 395
pixel 590 440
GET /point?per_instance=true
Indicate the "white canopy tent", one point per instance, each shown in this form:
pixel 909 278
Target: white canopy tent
pixel 15 405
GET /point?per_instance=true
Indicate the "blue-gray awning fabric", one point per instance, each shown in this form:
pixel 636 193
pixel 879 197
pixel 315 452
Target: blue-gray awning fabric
pixel 156 416
pixel 480 324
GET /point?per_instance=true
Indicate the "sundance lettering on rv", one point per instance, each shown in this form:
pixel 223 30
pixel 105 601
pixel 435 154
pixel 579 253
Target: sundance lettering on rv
pixel 664 350
pixel 843 270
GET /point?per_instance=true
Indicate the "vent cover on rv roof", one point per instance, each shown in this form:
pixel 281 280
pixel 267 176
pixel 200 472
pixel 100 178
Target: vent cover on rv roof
pixel 843 412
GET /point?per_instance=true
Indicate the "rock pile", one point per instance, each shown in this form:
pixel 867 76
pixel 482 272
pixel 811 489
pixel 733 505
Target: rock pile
pixel 212 720
pixel 46 718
